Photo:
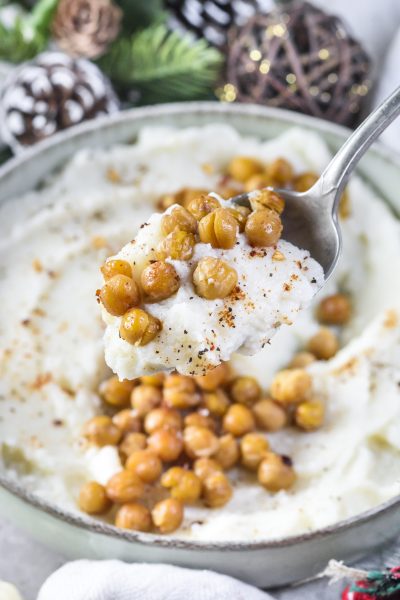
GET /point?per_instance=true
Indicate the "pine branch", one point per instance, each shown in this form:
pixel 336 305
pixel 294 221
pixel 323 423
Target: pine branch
pixel 139 14
pixel 162 65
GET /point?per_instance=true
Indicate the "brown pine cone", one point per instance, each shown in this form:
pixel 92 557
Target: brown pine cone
pixel 86 27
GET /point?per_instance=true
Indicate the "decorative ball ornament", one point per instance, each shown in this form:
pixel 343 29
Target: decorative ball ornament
pixel 49 94
pixel 212 19
pixel 298 57
pixel 377 585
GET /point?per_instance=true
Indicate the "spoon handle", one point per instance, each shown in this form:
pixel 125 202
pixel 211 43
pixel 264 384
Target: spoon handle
pixel 336 174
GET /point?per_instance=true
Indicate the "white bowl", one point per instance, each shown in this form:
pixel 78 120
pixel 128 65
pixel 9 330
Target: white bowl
pixel 268 563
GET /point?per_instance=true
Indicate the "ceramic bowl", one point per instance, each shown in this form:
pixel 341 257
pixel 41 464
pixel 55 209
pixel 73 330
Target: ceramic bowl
pixel 262 563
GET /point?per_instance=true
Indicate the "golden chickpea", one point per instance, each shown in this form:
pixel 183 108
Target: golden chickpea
pixel 263 228
pixel 116 392
pixel 219 228
pixel 168 515
pixel 291 385
pixel 133 516
pixel 253 447
pixel 132 442
pixel 166 443
pixel 202 205
pixel 302 360
pixel 240 213
pixel 228 191
pixel 238 420
pixel 157 379
pixel 159 281
pixel 119 294
pixel 166 201
pixel 189 194
pixel 139 327
pixel 196 419
pixel 245 390
pixel 145 464
pixel 101 431
pixel 127 421
pixel 180 392
pixel 276 473
pixel 178 245
pixel 214 278
pixel 257 182
pixel 334 310
pixel 310 415
pixel 242 168
pixel 93 499
pixel 199 442
pixel 304 181
pixel 268 199
pixel 281 171
pixel 324 344
pixel 217 403
pixel 203 467
pixel 213 378
pixel 124 487
pixel 228 453
pixel 217 490
pixel 162 418
pixel 269 415
pixel 144 398
pixel 184 485
pixel 114 267
pixel 178 218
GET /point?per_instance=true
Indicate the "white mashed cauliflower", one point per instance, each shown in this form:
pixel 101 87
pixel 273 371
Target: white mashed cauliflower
pixel 198 334
pixel 52 242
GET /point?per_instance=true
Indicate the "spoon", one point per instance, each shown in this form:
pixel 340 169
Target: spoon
pixel 310 218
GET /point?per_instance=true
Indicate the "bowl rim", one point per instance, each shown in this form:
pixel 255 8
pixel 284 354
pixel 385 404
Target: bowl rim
pixel 99 527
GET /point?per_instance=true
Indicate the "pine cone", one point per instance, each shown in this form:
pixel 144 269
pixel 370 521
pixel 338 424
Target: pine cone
pixel 49 94
pixel 86 27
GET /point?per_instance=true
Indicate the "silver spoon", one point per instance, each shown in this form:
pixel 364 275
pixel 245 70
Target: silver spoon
pixel 310 218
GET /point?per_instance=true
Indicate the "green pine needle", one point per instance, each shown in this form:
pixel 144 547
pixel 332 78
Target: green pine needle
pixel 163 65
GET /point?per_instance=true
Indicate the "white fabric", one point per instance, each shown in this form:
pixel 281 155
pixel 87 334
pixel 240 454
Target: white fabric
pixel 8 591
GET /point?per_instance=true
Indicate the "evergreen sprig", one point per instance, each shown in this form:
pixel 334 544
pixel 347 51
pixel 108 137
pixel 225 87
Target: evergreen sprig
pixel 163 65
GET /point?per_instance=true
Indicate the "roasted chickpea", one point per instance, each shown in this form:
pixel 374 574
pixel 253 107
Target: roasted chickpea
pixel 213 378
pixel 257 182
pixel 145 464
pixel 334 310
pixel 202 205
pixel 291 385
pixel 93 499
pixel 245 390
pixel 159 281
pixel 228 191
pixel 132 442
pixel 228 453
pixel 157 379
pixel 253 447
pixel 263 228
pixel 267 199
pixel 310 415
pixel 124 487
pixel 184 485
pixel 127 421
pixel 178 245
pixel 269 415
pixel 189 194
pixel 180 392
pixel 162 418
pixel 302 360
pixel 217 490
pixel 276 473
pixel 196 419
pixel 101 431
pixel 240 213
pixel 133 516
pixel 281 171
pixel 167 515
pixel 166 443
pixel 166 201
pixel 144 398
pixel 199 442
pixel 324 344
pixel 219 228
pixel 214 278
pixel 116 392
pixel 238 420
pixel 305 181
pixel 119 294
pixel 242 168
pixel 203 467
pixel 114 267
pixel 178 218
pixel 217 403
pixel 139 327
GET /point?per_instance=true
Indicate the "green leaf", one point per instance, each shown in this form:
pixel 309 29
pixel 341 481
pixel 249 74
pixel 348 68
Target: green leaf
pixel 138 14
pixel 17 44
pixel 163 66
pixel 41 17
